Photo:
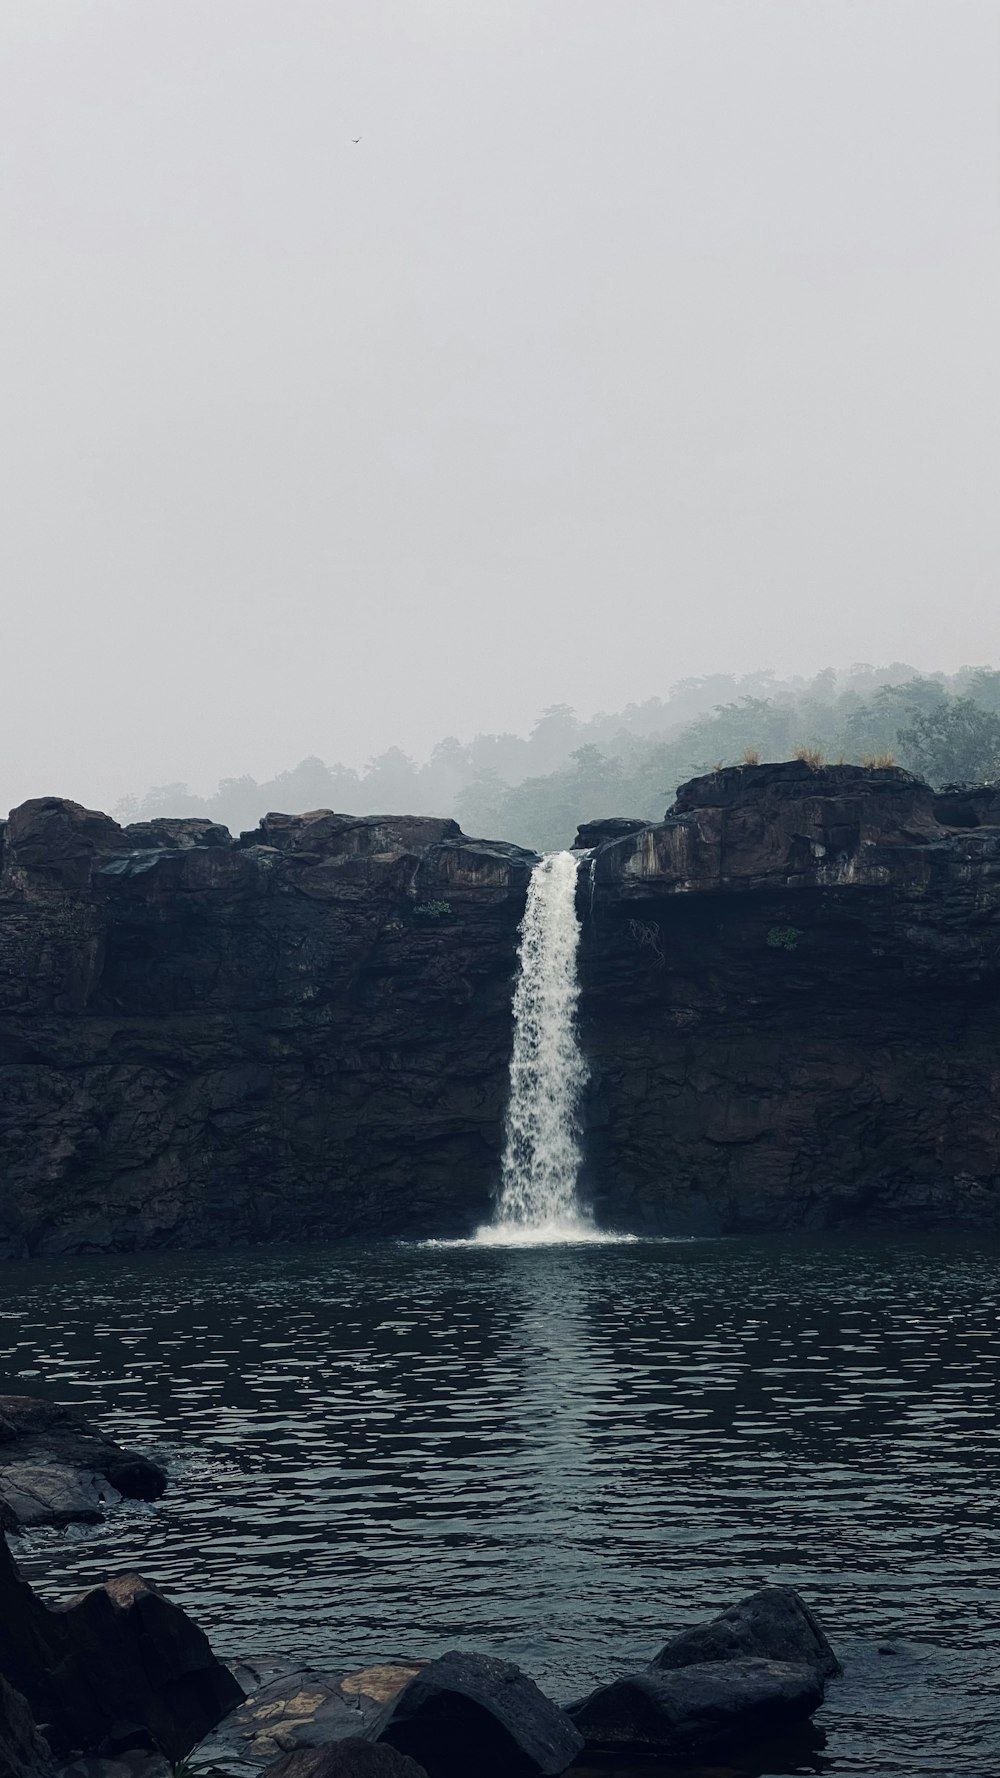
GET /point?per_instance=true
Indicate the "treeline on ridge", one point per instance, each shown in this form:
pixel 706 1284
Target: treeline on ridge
pixel 535 790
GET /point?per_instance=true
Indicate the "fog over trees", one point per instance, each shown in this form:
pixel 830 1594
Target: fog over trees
pixel 535 790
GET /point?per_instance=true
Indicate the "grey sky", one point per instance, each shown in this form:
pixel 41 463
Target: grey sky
pixel 634 339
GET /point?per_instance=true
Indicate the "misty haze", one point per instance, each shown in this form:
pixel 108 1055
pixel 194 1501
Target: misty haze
pixel 499 908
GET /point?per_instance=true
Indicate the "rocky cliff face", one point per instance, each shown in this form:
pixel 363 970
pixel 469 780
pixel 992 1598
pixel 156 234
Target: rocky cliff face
pixel 305 1032
pixel 790 1004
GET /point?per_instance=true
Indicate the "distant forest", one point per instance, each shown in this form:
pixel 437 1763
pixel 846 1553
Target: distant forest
pixel 536 790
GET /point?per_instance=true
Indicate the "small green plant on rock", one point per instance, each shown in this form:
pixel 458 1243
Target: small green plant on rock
pixel 433 910
pixel 784 938
pixel 198 1768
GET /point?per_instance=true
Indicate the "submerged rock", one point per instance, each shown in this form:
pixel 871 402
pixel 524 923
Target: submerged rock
pixel 55 1469
pixel 471 1716
pixel 698 1709
pixel 775 1624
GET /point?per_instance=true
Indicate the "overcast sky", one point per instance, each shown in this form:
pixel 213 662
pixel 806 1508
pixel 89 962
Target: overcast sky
pixel 634 339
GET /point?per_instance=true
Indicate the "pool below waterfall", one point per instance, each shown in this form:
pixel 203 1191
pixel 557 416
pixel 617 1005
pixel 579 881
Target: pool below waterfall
pixel 561 1455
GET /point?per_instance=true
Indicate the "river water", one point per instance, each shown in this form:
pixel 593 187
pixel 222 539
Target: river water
pixel 560 1455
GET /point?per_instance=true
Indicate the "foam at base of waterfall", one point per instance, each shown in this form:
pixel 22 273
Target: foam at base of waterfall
pixel 545 1234
pixel 568 1232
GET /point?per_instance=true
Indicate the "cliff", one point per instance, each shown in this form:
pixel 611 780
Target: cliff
pixel 790 1005
pixel 302 1033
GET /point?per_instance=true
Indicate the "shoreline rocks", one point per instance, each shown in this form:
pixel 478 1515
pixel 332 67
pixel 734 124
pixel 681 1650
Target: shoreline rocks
pixel 115 1668
pixel 754 1672
pixel 699 1709
pixel 118 1677
pixel 55 1469
pixel 752 1676
pixel 469 1713
pixel 774 1624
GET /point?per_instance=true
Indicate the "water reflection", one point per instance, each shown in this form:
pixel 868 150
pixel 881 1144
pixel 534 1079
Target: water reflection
pixel 560 1454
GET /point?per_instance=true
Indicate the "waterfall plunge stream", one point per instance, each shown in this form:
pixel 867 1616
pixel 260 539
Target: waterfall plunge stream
pixel 542 1152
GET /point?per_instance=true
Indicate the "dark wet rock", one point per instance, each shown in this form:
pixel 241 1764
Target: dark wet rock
pixel 33 1494
pixel 748 826
pixel 614 827
pixel 698 1709
pixel 474 871
pixel 967 805
pixel 347 1759
pixel 383 839
pixel 116 1668
pixel 469 1713
pixel 57 1470
pixel 51 843
pixel 176 834
pixel 24 1752
pixel 774 1624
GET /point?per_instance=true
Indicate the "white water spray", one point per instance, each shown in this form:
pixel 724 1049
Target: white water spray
pixel 542 1153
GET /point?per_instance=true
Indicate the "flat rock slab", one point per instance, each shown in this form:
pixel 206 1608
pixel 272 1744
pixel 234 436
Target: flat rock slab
pixel 468 1714
pixel 696 1709
pixel 301 1708
pixel 55 1469
pixel 774 1624
pixel 36 1493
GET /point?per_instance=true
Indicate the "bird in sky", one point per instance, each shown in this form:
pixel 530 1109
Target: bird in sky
pixel 355 138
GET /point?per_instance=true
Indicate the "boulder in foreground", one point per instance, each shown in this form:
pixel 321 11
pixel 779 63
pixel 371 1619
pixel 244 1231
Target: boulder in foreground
pixel 346 1759
pixel 469 1714
pixel 698 1709
pixel 775 1624
pixel 118 1666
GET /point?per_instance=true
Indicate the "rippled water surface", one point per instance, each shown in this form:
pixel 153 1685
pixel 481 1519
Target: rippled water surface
pixel 561 1455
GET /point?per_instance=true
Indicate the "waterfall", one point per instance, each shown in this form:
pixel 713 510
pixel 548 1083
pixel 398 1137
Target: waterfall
pixel 542 1152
